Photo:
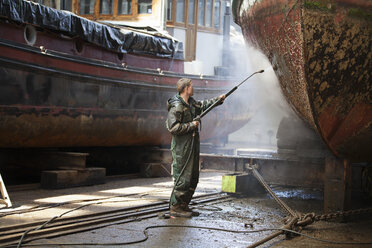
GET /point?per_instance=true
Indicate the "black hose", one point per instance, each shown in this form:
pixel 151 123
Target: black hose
pixel 145 232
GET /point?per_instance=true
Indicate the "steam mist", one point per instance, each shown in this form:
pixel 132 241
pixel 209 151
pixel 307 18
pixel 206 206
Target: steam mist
pixel 262 100
pixel 263 96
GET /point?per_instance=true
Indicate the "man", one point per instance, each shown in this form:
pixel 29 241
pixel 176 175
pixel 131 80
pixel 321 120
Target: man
pixel 185 146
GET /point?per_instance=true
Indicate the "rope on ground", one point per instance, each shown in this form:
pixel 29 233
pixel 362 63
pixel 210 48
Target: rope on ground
pixel 145 232
pixel 298 221
pixel 325 240
pixel 268 189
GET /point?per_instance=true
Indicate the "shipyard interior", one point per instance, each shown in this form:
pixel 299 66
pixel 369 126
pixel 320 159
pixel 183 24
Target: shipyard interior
pixel 183 123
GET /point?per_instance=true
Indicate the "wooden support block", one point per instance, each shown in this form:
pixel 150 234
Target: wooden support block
pixel 155 170
pixel 4 194
pixel 337 185
pixel 39 160
pixel 226 163
pixel 57 179
pixel 65 160
pixel 241 183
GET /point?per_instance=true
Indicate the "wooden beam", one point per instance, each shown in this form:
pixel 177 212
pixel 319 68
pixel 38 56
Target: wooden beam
pixel 337 185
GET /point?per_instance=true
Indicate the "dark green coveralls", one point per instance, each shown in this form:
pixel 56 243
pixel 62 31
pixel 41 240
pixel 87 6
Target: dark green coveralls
pixel 185 143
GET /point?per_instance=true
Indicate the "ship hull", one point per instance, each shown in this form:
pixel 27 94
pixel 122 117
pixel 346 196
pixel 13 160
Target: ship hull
pixel 50 98
pixel 323 52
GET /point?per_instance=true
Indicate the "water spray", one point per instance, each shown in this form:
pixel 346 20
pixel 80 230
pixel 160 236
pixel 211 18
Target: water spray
pixel 274 68
pixel 226 95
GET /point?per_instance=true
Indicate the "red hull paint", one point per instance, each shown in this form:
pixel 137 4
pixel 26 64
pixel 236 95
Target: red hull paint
pixel 323 53
pixel 58 98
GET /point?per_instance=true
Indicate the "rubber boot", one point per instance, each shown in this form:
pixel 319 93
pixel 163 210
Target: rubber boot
pixel 186 208
pixel 178 211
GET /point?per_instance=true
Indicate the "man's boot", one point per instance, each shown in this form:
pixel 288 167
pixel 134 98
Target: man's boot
pixel 178 211
pixel 186 208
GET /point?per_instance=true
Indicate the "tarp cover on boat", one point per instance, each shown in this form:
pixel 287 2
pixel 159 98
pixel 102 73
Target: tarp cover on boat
pixel 110 37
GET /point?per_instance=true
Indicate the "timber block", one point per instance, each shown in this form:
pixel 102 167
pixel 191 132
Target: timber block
pixel 337 185
pixel 241 183
pixel 65 160
pixel 57 179
pixel 155 170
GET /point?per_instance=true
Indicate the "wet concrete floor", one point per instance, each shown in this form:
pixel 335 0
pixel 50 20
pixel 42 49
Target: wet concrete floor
pixel 239 213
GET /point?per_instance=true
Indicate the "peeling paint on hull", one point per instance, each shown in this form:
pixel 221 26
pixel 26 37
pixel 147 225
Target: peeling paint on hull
pixel 50 98
pixel 323 51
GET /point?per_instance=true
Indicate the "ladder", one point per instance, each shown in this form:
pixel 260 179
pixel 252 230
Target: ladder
pixel 4 194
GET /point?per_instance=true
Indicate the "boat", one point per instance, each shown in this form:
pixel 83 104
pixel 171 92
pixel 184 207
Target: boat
pixel 323 54
pixel 67 81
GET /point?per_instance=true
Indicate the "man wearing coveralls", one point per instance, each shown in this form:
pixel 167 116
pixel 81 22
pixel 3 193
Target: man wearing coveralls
pixel 185 146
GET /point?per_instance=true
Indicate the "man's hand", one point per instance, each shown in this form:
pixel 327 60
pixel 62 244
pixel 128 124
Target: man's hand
pixel 222 97
pixel 196 123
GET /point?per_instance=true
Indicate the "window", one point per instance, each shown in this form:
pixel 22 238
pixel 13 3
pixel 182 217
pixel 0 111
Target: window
pixel 87 7
pixel 180 12
pixel 112 9
pixel 217 8
pixel 201 9
pixel 191 17
pixel 66 4
pixel 50 3
pixel 169 10
pixel 105 7
pixel 144 6
pixel 57 4
pixel 208 14
pixel 124 7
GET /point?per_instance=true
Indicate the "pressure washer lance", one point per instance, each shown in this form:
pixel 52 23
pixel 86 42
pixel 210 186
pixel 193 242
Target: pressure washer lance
pixel 226 95
pixel 167 215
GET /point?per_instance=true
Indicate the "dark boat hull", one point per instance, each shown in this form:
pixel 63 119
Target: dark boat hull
pixel 56 99
pixel 323 52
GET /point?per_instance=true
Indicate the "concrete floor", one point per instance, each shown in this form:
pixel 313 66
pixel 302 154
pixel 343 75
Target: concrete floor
pixel 241 213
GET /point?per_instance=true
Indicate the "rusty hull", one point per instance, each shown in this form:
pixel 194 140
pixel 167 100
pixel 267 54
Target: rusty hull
pixel 55 109
pixel 50 96
pixel 323 51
